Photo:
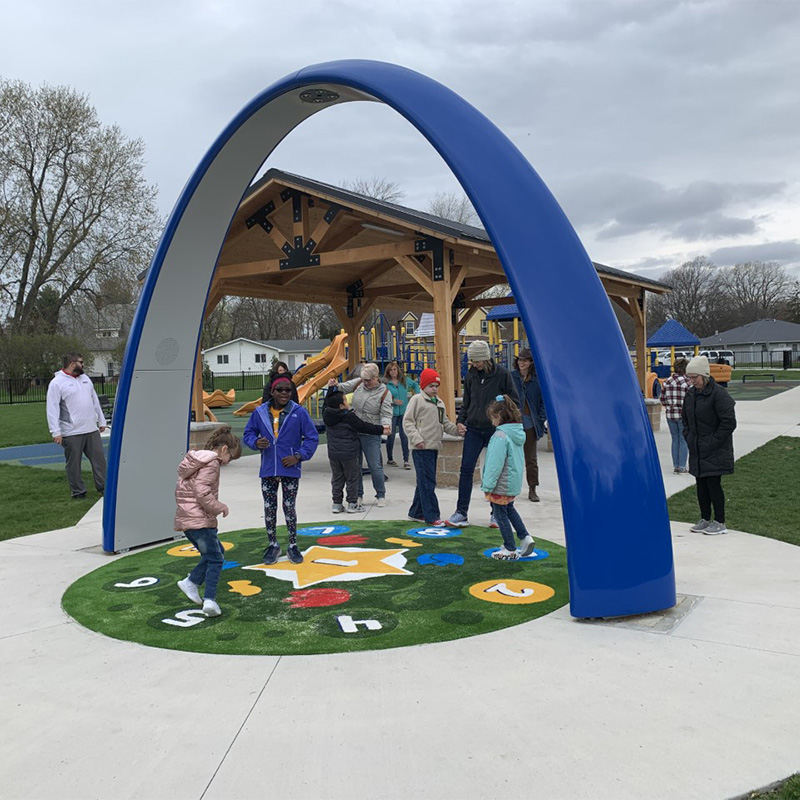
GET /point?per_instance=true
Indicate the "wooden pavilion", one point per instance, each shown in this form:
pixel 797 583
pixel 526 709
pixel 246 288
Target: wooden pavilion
pixel 297 239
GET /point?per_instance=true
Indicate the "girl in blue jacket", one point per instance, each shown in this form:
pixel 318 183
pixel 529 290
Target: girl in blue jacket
pixel 501 481
pixel 284 433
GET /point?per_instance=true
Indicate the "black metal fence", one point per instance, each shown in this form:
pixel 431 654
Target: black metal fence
pixel 768 359
pixel 34 390
pixel 241 381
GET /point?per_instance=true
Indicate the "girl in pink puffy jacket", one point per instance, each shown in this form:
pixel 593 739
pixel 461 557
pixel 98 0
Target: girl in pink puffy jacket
pixel 197 496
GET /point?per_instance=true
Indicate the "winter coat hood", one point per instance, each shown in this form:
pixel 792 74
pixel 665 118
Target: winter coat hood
pixel 515 431
pixel 195 460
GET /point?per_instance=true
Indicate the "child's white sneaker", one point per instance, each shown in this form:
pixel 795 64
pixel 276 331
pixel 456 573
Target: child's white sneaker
pixel 337 508
pixel 505 555
pixel 381 502
pixel 191 590
pixel 211 609
pixel 526 546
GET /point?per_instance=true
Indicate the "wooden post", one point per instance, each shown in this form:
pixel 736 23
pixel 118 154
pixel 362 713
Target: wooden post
pixel 197 388
pixel 639 307
pixel 443 342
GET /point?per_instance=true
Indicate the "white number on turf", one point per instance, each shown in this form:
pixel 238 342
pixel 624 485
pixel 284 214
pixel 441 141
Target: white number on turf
pixel 334 562
pixel 501 588
pixel 350 625
pixel 138 583
pixel 185 619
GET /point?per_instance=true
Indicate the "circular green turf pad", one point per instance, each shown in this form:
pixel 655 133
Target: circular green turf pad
pixel 422 588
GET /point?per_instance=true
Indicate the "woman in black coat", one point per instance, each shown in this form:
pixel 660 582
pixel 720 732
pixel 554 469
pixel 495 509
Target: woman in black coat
pixel 708 425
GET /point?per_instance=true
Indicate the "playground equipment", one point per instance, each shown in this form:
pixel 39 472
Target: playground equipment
pixel 219 399
pixel 614 506
pixel 312 377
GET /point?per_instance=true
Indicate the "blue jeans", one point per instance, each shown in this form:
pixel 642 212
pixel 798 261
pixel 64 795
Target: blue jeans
pixel 425 505
pixel 506 517
pixel 371 448
pixel 475 440
pixel 397 427
pixel 212 557
pixel 680 450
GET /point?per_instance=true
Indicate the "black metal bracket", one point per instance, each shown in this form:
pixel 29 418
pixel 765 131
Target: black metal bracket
pixel 435 247
pixel 351 306
pixel 459 302
pixel 300 255
pixel 356 289
pixel 261 217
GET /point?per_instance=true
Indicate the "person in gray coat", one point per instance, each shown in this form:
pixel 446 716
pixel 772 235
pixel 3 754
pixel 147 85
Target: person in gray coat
pixel 709 421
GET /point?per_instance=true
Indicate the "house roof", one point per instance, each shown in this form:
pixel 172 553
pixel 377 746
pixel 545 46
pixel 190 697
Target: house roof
pixel 762 331
pixel 672 334
pixel 281 345
pixel 297 345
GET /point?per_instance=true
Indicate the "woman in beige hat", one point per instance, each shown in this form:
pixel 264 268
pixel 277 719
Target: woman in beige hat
pixel 708 425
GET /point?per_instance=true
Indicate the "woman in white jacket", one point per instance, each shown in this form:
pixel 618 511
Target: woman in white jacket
pixel 372 402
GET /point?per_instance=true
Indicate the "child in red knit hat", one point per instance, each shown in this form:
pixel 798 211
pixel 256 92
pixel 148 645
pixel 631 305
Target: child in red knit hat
pixel 425 422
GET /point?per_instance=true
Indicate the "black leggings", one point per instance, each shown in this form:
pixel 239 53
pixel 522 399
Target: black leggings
pixel 709 491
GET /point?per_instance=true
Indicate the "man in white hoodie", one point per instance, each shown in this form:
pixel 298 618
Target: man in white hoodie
pixel 76 421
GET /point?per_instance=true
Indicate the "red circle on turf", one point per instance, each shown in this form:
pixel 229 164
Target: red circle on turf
pixel 349 538
pixel 317 598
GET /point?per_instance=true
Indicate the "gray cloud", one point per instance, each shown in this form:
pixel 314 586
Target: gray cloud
pixel 622 205
pixel 653 122
pixel 784 252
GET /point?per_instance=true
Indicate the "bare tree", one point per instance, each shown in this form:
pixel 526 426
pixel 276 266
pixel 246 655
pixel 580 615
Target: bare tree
pixel 376 187
pixel 757 290
pixel 697 299
pixel 73 201
pixel 453 206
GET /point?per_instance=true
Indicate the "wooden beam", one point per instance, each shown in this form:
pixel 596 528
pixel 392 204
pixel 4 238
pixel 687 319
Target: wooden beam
pixel 333 258
pixel 618 288
pixel 417 272
pixel 623 304
pixel 457 275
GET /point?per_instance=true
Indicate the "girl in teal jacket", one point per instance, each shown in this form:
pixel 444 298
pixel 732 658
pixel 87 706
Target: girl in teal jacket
pixel 401 386
pixel 503 472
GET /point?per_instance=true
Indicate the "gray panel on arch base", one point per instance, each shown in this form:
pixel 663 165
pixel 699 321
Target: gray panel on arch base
pixel 155 433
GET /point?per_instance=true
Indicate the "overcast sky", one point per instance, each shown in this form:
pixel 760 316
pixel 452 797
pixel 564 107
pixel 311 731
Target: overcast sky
pixel 666 130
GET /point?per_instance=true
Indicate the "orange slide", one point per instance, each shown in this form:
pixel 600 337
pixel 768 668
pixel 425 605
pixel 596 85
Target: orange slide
pixel 331 362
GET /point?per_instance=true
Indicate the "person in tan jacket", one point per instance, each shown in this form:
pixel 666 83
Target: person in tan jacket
pixel 425 423
pixel 197 498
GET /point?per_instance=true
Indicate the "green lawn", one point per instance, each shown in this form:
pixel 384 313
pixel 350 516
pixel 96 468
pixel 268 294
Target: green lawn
pixel 760 496
pixel 24 423
pixel 36 500
pixel 780 375
pixel 788 790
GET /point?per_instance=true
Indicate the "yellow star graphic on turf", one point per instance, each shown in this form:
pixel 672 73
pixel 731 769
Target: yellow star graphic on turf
pixel 322 564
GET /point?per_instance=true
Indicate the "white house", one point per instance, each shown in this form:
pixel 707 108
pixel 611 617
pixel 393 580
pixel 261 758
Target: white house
pixel 251 355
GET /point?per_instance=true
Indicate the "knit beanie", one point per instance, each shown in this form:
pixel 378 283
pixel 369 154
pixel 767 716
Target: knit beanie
pixel 428 376
pixel 478 351
pixel 699 366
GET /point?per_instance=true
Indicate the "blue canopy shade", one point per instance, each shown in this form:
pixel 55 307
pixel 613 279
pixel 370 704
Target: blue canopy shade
pixel 672 334
pixel 504 312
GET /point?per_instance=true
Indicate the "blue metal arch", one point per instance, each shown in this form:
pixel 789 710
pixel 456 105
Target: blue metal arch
pixel 614 507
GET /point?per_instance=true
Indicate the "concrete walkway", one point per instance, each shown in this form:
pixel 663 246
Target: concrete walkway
pixel 642 708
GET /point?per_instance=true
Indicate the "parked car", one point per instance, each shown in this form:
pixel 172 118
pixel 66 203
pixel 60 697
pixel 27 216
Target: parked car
pixel 664 357
pixel 714 356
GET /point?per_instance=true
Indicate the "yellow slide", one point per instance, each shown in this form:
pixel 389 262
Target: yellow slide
pixel 219 399
pixel 328 364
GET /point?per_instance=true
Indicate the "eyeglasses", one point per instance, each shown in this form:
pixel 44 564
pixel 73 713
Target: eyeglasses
pixel 282 389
